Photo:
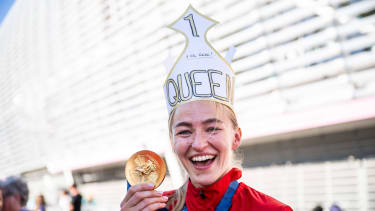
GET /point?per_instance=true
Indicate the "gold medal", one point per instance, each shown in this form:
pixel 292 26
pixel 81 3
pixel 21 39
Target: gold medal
pixel 145 167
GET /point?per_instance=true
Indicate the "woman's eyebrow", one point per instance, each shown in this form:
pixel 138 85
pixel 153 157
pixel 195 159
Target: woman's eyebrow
pixel 212 120
pixel 183 124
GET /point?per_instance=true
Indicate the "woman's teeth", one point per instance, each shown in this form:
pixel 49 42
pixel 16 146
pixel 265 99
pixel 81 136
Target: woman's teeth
pixel 202 158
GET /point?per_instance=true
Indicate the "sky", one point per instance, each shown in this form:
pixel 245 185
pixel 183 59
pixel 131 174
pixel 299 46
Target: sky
pixel 5 5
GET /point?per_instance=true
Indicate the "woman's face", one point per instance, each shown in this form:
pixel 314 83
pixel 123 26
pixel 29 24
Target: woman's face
pixel 203 139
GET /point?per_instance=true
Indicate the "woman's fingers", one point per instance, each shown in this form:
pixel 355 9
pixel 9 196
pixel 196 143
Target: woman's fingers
pixel 136 188
pixel 152 203
pixel 155 206
pixel 143 197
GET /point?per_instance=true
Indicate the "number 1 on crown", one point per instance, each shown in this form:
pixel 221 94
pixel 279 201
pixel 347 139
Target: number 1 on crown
pixel 192 25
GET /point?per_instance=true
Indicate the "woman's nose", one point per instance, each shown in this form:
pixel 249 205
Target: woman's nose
pixel 199 141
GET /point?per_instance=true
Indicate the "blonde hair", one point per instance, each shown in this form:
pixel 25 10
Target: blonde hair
pixel 177 201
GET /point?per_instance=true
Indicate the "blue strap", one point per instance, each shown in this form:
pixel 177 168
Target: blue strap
pixel 226 202
pixel 127 186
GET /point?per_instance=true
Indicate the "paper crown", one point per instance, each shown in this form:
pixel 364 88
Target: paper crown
pixel 200 72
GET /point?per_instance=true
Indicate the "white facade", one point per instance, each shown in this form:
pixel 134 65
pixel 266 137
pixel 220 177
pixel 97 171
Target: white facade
pixel 81 81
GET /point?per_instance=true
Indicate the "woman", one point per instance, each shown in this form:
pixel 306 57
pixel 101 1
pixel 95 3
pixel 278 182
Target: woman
pixel 40 203
pixel 204 132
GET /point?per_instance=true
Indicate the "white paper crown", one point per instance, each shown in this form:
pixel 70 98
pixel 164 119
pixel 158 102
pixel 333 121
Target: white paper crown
pixel 200 72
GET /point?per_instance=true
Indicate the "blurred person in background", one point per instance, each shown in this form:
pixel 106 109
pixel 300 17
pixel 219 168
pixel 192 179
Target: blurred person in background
pixel 204 135
pixel 16 194
pixel 335 207
pixel 89 204
pixel 64 200
pixel 318 208
pixel 40 203
pixel 1 196
pixel 76 198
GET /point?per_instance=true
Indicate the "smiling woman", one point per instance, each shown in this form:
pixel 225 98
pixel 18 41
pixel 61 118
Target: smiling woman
pixel 204 140
pixel 204 134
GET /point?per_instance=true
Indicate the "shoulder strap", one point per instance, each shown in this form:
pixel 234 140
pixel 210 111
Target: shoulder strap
pixel 185 208
pixel 127 186
pixel 226 201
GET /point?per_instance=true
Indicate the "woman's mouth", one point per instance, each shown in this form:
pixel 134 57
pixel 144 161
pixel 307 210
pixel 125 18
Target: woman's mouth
pixel 202 161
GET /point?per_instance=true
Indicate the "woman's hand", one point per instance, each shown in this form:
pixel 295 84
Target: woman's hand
pixel 143 197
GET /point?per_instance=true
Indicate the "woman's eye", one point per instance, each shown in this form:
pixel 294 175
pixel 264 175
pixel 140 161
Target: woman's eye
pixel 213 129
pixel 183 132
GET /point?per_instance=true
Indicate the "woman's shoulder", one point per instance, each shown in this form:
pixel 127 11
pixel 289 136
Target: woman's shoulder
pixel 247 197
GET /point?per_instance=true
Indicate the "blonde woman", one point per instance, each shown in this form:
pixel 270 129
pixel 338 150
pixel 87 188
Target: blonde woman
pixel 204 132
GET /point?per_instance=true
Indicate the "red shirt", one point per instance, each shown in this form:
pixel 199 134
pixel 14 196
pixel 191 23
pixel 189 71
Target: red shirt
pixel 245 197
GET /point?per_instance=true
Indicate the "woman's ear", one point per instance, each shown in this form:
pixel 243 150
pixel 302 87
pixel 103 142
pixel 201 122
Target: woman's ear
pixel 237 139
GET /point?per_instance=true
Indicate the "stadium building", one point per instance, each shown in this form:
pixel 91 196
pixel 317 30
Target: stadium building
pixel 81 90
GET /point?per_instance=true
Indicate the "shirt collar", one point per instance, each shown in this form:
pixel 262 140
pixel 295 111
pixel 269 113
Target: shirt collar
pixel 209 197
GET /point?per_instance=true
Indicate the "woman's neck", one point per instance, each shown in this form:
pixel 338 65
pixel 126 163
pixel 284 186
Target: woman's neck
pixel 198 185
